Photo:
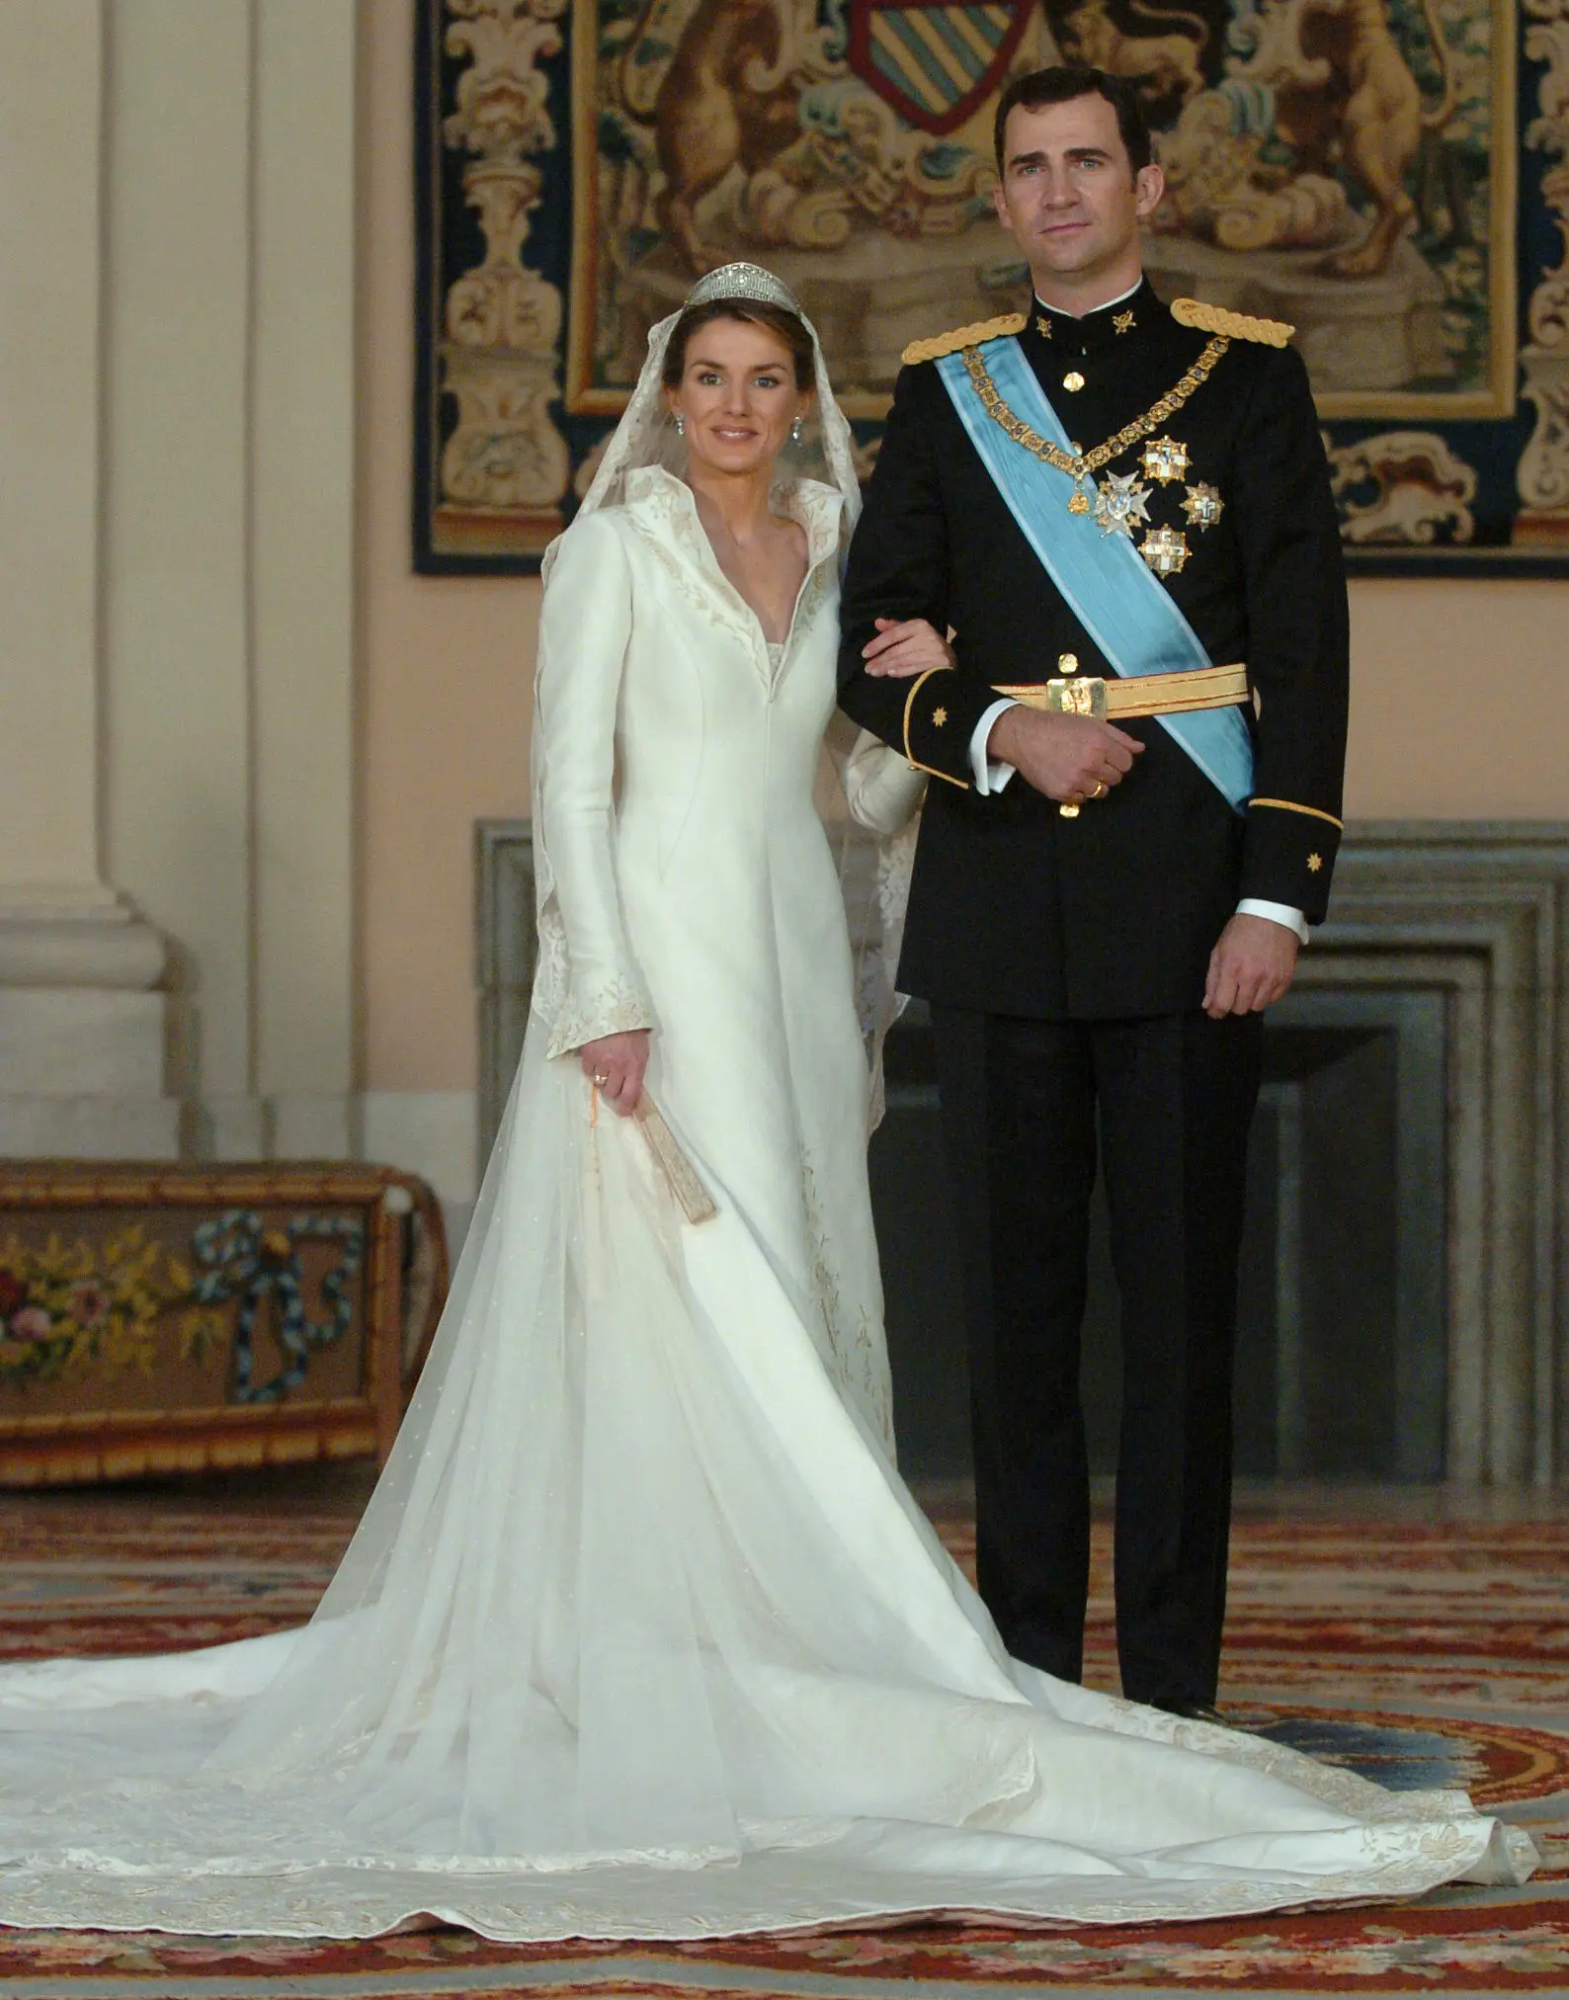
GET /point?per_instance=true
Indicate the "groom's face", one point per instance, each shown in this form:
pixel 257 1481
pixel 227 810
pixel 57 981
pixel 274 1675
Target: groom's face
pixel 1069 196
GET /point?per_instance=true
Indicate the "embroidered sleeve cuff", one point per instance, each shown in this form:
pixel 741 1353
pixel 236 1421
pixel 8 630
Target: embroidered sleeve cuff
pixel 1288 855
pixel 937 728
pixel 613 1009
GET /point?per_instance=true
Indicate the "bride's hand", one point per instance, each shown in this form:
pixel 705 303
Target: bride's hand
pixel 615 1064
pixel 905 647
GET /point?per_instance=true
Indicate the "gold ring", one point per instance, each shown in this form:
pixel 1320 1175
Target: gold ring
pixel 1100 790
pixel 600 1079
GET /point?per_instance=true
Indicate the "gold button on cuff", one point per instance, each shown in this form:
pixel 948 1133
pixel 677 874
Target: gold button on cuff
pixel 1073 381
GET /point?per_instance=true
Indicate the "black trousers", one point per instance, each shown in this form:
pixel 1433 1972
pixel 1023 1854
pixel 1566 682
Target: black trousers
pixel 1175 1097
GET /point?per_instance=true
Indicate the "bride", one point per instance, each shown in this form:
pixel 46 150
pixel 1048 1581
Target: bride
pixel 641 1635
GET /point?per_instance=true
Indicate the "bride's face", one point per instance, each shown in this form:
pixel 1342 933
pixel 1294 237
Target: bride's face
pixel 737 396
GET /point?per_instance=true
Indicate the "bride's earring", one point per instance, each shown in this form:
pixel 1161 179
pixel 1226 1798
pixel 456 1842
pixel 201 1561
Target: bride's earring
pixel 680 425
pixel 795 431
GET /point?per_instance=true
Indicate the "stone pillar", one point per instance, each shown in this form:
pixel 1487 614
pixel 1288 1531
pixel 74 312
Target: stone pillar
pixel 176 620
pixel 302 557
pixel 81 1021
pixel 177 233
pixel 229 508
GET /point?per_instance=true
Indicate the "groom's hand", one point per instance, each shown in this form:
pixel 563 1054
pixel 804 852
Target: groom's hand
pixel 1251 967
pixel 1064 756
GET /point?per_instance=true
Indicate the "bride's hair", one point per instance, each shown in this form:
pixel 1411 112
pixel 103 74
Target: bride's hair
pixel 789 327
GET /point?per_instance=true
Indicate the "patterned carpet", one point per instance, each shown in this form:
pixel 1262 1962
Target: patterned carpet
pixel 1421 1637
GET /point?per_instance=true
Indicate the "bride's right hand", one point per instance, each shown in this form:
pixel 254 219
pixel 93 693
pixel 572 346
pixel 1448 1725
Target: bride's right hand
pixel 904 647
pixel 615 1065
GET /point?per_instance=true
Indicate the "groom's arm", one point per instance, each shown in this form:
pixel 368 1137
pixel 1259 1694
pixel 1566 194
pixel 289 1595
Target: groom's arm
pixel 899 568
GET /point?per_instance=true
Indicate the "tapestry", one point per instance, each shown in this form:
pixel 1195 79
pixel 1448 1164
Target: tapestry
pixel 170 1320
pixel 1389 176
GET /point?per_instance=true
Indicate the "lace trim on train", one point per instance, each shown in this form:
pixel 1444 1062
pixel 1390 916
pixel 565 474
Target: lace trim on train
pixel 860 1359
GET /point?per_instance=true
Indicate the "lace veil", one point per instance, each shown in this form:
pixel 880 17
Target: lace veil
pixel 646 434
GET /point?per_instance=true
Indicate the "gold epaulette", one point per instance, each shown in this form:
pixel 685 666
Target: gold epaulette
pixel 962 336
pixel 1235 326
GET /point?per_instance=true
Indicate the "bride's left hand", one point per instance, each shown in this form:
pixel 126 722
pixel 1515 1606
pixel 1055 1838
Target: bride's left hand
pixel 905 647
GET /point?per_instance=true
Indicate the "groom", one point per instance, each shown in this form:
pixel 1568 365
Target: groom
pixel 1121 510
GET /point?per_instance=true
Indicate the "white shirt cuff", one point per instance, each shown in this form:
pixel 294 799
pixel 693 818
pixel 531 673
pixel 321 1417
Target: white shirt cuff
pixel 1277 913
pixel 989 775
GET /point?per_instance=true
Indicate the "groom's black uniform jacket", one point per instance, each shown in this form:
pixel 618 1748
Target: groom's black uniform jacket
pixel 1015 910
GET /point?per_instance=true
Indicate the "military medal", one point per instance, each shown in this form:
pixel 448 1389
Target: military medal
pixel 1165 458
pixel 1117 511
pixel 1120 503
pixel 1165 550
pixel 1203 506
pixel 1082 498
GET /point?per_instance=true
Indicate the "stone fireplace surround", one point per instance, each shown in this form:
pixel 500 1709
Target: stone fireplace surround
pixel 1453 935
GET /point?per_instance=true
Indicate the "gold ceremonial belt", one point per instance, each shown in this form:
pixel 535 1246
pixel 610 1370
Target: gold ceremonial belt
pixel 1140 694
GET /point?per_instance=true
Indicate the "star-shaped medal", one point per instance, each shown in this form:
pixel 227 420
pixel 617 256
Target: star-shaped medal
pixel 1120 503
pixel 1203 506
pixel 1165 550
pixel 1123 322
pixel 1165 458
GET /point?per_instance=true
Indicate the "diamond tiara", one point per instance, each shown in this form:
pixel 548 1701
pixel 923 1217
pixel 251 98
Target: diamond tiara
pixel 743 281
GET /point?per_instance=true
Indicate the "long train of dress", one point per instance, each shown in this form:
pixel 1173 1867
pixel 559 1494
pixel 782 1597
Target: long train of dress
pixel 642 1635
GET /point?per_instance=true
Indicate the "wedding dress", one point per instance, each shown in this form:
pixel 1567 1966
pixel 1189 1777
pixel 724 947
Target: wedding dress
pixel 641 1635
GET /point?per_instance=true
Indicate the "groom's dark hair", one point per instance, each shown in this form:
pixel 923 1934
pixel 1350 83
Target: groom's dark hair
pixel 1061 84
pixel 755 312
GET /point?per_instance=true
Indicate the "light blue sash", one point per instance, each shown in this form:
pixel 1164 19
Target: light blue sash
pixel 1109 587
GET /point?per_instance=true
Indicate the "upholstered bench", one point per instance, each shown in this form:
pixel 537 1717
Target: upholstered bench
pixel 172 1319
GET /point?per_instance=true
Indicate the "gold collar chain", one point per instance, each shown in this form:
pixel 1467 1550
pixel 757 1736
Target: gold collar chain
pixel 1080 465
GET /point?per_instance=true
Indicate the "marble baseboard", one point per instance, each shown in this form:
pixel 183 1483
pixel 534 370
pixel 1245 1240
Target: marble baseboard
pixel 88 1127
pixel 430 1133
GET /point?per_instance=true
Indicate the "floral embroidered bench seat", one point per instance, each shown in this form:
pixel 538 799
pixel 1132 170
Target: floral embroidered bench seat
pixel 170 1319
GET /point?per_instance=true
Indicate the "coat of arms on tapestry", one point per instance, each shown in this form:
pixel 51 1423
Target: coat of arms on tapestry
pixel 1390 176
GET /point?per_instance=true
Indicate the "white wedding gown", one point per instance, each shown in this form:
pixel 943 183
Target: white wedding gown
pixel 641 1635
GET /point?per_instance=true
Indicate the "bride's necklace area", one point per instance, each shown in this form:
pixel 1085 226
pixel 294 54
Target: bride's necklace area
pixel 744 575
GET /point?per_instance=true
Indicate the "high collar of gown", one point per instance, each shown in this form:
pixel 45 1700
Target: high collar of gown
pixel 654 494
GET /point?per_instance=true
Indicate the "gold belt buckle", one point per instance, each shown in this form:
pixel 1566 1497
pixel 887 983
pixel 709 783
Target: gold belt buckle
pixel 1083 694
